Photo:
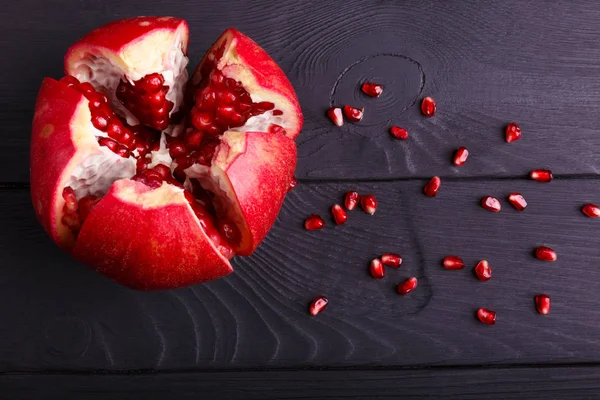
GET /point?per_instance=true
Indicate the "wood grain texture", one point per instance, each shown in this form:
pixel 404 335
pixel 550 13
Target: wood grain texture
pixel 515 383
pixel 534 62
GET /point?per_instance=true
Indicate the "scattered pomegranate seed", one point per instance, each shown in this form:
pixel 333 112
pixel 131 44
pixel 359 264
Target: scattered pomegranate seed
pixel 391 260
pixel 513 132
pixel 318 305
pixel 428 107
pixel 353 114
pixel 372 89
pixel 517 201
pixel 407 286
pixel 432 187
pixel 292 184
pixel 314 222
pixel 351 200
pixel 398 133
pixel 545 253
pixel 335 115
pixel 368 203
pixel 483 271
pixel 376 268
pixel 491 203
pixel 542 304
pixel 339 215
pixel 453 262
pixel 460 156
pixel 591 210
pixel 486 316
pixel 541 175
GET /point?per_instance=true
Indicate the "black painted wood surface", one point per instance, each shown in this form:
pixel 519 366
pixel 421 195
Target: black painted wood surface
pixel 537 63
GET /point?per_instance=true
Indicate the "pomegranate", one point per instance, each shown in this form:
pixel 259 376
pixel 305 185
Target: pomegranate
pixel 431 188
pixel 154 181
pixel 376 268
pixel 542 304
pixel 317 305
pixel 372 89
pixel 398 133
pixel 591 210
pixel 407 286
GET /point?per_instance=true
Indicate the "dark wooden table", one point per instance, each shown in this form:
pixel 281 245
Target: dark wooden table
pixel 66 332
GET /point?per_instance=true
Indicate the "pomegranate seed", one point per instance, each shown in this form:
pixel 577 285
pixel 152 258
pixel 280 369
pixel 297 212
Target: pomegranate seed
pixel 162 170
pixel 368 203
pixel 68 195
pixel 491 203
pixel 545 253
pixel 111 144
pixel 351 200
pixel 398 133
pixel 314 222
pixel 453 262
pixel 317 305
pixel 517 201
pixel 486 316
pixel 177 149
pixel 460 156
pixel 407 286
pixel 391 260
pixel 541 175
pixel 335 115
pixel 339 215
pixel 542 304
pixel 591 210
pixel 483 271
pixel 513 132
pixel 292 184
pixel 123 151
pixel 353 114
pixel 376 268
pixel 100 120
pixel 372 89
pixel 70 81
pixel 432 187
pixel 86 88
pixel 428 107
pixel 86 204
pixel 72 221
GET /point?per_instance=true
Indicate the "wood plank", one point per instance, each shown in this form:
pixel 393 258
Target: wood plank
pixel 485 64
pixel 515 383
pixel 68 318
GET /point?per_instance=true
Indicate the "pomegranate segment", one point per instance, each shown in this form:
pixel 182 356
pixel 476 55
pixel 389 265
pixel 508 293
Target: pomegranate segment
pixel 353 114
pixel 335 115
pixel 432 187
pixel 491 203
pixel 398 133
pixel 545 253
pixel 351 200
pixel 391 260
pixel 460 156
pixel 542 304
pixel 483 271
pixel 317 305
pixel 339 215
pixel 428 107
pixel 541 175
pixel 591 210
pixel 513 132
pixel 517 201
pixel 376 268
pixel 453 262
pixel 486 316
pixel 314 222
pixel 407 286
pixel 372 89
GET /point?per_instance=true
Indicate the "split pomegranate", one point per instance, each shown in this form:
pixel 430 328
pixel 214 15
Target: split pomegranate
pixel 317 305
pixel 483 271
pixel 432 187
pixel 154 181
pixel 407 286
pixel 486 316
pixel 391 260
pixel 339 215
pixel 541 175
pixel 545 253
pixel 372 89
pixel 542 304
pixel 428 107
pixel 453 262
pixel 351 200
pixel 591 210
pixel 460 156
pixel 491 203
pixel 398 133
pixel 513 132
pixel 376 268
pixel 368 202
pixel 335 115
pixel 517 201
pixel 353 114
pixel 314 222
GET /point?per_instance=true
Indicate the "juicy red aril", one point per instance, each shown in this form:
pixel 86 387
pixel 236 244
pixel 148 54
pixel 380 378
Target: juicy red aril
pixel 591 210
pixel 545 253
pixel 517 201
pixel 86 204
pixel 177 149
pixel 162 170
pixel 391 260
pixel 483 270
pixel 314 222
pixel 376 268
pixel 86 88
pixel 100 120
pixel 229 231
pixel 491 203
pixel 277 129
pixel 460 156
pixel 407 286
pixel 353 114
pixel 428 107
pixel 432 187
pixel 372 89
pixel 193 139
pixel 108 142
pixel 453 262
pixel 351 200
pixel 335 115
pixel 70 81
pixel 146 99
pixel 292 184
pixel 72 221
pixel 123 151
pixel 541 175
pixel 513 132
pixel 339 215
pixel 398 133
pixel 68 195
pixel 317 305
pixel 368 203
pixel 486 316
pixel 542 304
